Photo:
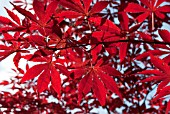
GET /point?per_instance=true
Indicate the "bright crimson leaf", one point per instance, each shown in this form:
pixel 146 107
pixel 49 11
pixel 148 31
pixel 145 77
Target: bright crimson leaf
pixel 34 71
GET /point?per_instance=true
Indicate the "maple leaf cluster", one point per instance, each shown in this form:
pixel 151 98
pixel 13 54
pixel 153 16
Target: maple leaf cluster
pixel 112 53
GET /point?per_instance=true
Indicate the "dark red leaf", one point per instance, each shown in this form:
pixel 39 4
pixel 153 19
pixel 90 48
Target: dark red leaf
pixel 110 70
pixel 168 108
pixel 69 14
pixel 39 9
pixel 95 52
pixel 99 6
pixel 51 9
pixel 79 72
pixel 153 52
pixel 87 4
pixel 72 6
pixel 8 37
pixel 25 13
pixel 84 86
pixel 134 8
pixel 43 80
pixel 16 59
pixel 13 16
pixel 153 78
pixel 105 24
pixel 37 39
pixel 124 21
pixel 142 17
pixel 165 35
pixel 145 36
pixel 123 47
pixel 160 64
pixel 165 91
pixel 55 80
pixel 155 72
pixel 33 72
pixel 165 8
pixel 6 21
pixel 105 36
pixel 62 69
pixel 109 83
pixel 99 89
pixel 4 83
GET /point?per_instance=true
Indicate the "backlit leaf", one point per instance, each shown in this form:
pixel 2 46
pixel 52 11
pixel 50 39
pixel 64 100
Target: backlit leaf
pixel 34 71
pixel 99 89
pixel 43 80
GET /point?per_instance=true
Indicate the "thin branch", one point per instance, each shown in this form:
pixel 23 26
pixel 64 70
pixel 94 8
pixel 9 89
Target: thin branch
pixel 108 111
pixel 104 43
pixel 153 26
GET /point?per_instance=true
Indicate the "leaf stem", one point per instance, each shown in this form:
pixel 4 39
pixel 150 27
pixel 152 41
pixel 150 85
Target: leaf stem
pixel 153 27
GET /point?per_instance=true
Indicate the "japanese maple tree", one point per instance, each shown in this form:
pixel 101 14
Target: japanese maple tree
pixel 87 54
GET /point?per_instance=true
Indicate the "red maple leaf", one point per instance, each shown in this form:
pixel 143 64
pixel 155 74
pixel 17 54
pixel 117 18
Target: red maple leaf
pixel 96 78
pixel 161 74
pixel 43 19
pixel 11 25
pixel 47 71
pixel 164 34
pixel 151 8
pixel 79 8
pixel 109 32
pixel 5 51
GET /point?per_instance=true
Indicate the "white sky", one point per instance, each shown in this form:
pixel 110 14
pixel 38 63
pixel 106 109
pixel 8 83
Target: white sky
pixel 4 3
pixel 7 64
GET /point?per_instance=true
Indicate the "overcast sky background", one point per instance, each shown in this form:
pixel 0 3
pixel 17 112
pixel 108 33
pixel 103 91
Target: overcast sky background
pixel 7 64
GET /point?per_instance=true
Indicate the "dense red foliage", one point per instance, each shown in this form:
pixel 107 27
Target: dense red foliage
pixel 87 54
